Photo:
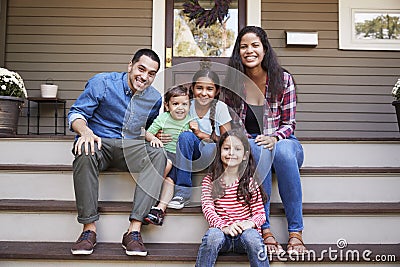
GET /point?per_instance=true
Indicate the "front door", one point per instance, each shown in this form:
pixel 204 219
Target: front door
pixel 193 44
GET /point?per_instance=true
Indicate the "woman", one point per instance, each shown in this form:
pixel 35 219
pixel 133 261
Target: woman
pixel 265 102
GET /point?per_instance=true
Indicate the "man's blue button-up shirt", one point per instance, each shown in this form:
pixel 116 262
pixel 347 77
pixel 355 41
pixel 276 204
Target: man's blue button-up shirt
pixel 111 110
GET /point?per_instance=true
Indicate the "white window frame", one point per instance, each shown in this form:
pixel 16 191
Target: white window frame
pixel 347 9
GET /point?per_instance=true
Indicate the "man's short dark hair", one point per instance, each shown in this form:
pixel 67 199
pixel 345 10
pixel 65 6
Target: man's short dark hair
pixel 146 52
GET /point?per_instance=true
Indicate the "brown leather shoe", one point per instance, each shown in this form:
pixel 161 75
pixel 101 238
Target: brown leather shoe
pixel 85 243
pixel 133 244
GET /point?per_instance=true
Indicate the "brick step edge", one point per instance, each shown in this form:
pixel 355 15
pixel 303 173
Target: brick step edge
pixel 336 208
pixel 12 250
pixel 303 170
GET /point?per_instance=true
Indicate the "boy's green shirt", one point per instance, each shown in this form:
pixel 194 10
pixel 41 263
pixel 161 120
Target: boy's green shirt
pixel 170 126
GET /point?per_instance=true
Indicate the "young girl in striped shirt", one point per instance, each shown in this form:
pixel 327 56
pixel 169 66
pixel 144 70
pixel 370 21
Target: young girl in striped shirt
pixel 233 204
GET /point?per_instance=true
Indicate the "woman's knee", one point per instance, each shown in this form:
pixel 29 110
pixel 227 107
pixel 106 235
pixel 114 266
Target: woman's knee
pixel 285 150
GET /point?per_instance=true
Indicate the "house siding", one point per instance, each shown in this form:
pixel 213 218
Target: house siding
pixel 70 41
pixel 341 93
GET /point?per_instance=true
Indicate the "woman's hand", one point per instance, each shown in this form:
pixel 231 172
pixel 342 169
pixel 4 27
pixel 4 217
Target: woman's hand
pixel 164 138
pixel 266 141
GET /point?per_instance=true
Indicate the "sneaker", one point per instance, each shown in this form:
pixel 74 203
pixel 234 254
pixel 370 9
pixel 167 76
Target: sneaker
pixel 133 244
pixel 85 243
pixel 178 202
pixel 155 216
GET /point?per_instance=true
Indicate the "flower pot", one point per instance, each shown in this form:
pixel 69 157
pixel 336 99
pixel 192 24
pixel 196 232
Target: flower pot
pixel 48 90
pixel 10 108
pixel 396 104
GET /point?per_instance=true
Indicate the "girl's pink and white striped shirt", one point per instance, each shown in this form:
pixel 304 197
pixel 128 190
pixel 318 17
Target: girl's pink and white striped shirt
pixel 227 210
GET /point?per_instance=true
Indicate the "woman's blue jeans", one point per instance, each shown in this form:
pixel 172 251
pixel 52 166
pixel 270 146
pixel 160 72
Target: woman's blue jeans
pixel 287 158
pixel 192 155
pixel 215 242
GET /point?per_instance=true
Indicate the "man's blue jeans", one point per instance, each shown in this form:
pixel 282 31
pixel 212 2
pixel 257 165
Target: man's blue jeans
pixel 215 242
pixel 192 155
pixel 287 157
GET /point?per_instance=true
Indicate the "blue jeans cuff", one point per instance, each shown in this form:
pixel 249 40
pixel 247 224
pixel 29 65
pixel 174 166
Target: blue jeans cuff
pixel 184 192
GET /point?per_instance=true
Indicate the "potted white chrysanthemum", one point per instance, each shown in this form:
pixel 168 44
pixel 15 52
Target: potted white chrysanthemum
pixel 396 102
pixel 12 95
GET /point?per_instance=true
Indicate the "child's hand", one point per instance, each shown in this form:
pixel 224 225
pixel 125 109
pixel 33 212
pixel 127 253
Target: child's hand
pixel 194 126
pixel 155 142
pixel 232 230
pixel 244 225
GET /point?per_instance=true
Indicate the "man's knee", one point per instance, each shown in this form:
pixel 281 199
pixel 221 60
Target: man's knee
pixel 155 154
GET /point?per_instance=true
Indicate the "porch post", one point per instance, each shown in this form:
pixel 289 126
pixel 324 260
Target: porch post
pixel 158 40
pixel 3 30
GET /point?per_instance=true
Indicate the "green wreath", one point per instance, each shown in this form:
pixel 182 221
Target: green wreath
pixel 206 17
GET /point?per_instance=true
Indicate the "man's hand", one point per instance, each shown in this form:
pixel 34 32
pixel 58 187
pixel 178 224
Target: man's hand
pixel 86 137
pixel 165 138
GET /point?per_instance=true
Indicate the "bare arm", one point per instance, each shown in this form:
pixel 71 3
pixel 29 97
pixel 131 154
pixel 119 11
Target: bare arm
pixel 154 141
pixel 224 128
pixel 86 137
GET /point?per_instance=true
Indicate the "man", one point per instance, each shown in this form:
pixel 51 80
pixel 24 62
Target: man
pixel 109 118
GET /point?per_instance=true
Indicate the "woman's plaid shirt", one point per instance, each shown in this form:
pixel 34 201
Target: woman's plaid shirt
pixel 279 115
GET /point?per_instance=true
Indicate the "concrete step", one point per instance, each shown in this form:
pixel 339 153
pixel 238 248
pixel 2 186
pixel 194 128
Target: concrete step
pixel 325 223
pixel 42 254
pixel 318 153
pixel 319 184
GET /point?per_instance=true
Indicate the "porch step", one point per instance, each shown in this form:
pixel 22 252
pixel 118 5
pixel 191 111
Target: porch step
pixel 320 184
pixel 30 205
pixel 161 254
pixel 318 152
pixel 345 220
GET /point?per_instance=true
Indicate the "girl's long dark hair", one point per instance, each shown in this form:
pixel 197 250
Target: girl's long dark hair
pixel 270 64
pixel 213 76
pixel 247 186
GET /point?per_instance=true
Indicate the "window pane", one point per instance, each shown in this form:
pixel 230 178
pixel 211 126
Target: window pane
pixel 216 40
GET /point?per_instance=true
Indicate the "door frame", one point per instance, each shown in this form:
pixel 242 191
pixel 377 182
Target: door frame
pixel 253 17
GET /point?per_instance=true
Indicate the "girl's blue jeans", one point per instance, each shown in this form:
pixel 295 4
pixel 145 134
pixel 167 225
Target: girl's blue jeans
pixel 287 158
pixel 215 242
pixel 192 155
